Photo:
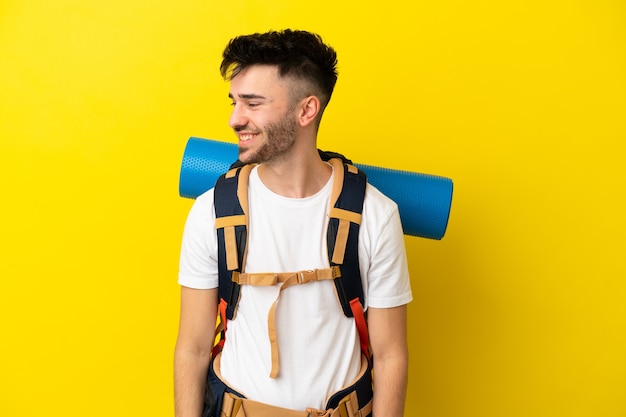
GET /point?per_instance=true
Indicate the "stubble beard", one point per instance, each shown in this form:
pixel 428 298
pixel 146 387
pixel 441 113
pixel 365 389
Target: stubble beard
pixel 280 138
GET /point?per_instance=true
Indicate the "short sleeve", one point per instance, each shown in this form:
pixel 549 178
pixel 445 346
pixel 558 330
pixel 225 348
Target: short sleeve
pixel 387 275
pixel 198 256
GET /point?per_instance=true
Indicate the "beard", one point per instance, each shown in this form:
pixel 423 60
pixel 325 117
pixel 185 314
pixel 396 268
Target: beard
pixel 280 138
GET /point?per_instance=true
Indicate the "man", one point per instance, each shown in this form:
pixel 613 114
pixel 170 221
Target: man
pixel 280 85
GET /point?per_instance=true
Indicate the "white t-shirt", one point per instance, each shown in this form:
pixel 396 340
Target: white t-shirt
pixel 319 351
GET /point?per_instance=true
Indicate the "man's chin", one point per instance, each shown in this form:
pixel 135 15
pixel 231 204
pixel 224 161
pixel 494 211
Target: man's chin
pixel 245 157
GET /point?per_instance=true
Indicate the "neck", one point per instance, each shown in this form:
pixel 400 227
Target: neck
pixel 297 177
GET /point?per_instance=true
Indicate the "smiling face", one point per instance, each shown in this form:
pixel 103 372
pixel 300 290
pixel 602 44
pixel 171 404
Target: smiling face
pixel 263 115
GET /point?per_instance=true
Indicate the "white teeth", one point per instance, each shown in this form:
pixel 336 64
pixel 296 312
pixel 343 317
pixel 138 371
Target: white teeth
pixel 246 137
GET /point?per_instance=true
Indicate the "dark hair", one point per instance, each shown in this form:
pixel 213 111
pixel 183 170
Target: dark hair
pixel 296 53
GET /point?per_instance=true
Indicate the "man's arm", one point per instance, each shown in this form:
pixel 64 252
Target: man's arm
pixel 387 330
pixel 198 313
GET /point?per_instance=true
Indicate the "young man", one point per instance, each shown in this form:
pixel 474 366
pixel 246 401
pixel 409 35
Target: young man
pixel 280 84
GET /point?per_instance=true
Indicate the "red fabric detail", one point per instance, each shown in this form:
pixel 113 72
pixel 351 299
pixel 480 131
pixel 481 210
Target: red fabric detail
pixel 223 306
pixel 361 325
pixel 223 321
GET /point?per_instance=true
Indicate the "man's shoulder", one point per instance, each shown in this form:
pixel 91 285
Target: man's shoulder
pixel 202 209
pixel 375 197
pixel 206 198
pixel 378 209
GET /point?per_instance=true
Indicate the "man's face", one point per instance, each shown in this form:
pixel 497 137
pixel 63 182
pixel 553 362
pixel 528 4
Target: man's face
pixel 263 116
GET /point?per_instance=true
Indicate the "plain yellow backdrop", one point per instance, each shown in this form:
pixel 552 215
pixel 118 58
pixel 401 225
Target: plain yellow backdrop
pixel 519 311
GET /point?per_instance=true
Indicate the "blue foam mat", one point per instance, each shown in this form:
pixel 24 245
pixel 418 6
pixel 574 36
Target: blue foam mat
pixel 423 200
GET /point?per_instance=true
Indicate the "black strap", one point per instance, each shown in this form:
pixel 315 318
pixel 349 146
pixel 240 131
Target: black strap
pixel 349 285
pixel 325 155
pixel 227 204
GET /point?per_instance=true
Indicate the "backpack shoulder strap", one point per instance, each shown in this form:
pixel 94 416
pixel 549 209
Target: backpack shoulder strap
pixel 231 223
pixel 346 206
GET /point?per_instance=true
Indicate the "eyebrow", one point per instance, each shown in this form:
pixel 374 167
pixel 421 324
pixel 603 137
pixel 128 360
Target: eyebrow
pixel 248 96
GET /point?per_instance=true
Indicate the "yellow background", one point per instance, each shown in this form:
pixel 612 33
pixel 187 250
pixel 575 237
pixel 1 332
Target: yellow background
pixel 519 311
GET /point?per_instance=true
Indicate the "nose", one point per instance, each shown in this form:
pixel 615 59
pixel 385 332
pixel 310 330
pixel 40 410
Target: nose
pixel 237 118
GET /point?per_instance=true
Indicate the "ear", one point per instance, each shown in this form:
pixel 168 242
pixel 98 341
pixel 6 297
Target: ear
pixel 308 110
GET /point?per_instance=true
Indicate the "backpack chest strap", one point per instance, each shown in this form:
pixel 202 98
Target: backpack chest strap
pixel 287 279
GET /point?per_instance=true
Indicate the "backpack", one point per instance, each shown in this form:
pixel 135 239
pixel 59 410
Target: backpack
pixel 346 205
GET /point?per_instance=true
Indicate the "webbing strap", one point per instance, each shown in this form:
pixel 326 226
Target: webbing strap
pixel 234 406
pixel 349 407
pixel 242 188
pixel 230 239
pixel 231 173
pixel 228 223
pixel 231 405
pixel 348 215
pixel 361 326
pixel 273 278
pixel 337 181
pixel 288 280
pixel 220 329
pixel 345 217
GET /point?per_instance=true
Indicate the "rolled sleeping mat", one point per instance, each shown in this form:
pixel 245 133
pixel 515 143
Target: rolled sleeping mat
pixel 423 200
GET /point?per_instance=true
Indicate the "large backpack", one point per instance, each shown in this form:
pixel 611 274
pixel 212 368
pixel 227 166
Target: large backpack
pixel 346 205
pixel 231 223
